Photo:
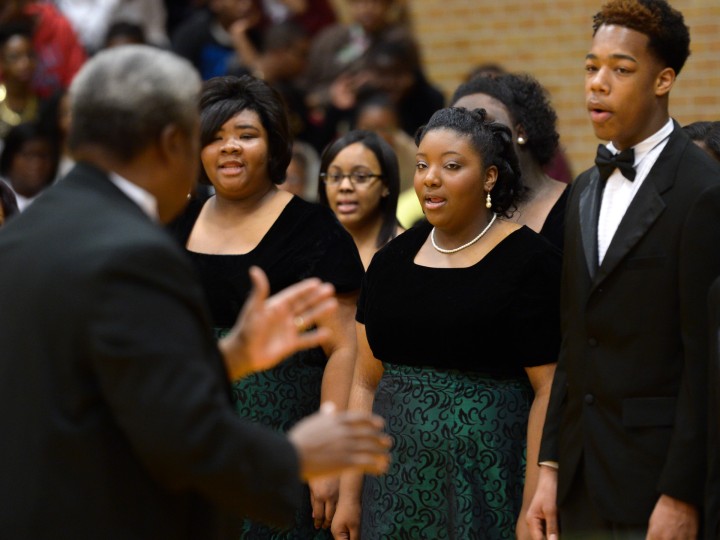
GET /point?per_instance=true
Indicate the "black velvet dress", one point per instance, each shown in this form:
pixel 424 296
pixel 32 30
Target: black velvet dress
pixel 454 344
pixel 305 241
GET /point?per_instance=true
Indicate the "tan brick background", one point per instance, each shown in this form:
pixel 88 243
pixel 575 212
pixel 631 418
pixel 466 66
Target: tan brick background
pixel 549 39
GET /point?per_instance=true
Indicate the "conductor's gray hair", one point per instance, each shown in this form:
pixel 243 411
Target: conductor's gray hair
pixel 124 97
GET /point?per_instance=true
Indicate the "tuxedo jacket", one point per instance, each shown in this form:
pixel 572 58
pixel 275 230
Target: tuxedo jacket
pixel 712 490
pixel 628 403
pixel 116 419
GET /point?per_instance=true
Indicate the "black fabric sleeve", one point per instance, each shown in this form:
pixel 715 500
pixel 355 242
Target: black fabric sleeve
pixel 535 335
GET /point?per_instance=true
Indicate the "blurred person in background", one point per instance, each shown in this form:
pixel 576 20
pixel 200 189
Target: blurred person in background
pixel 301 177
pixel 522 104
pixel 18 101
pixel 29 161
pixel 361 184
pixel 58 52
pixel 706 135
pixel 206 38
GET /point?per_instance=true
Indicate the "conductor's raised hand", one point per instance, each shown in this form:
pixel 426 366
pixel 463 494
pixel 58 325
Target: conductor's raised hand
pixel 330 443
pixel 270 328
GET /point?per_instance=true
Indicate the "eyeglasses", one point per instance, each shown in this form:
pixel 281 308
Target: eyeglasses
pixel 357 178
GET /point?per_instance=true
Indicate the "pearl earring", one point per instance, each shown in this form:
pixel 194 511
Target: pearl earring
pixel 521 140
pixel 488 201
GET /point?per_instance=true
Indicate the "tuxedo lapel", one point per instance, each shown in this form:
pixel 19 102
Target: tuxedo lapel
pixel 589 210
pixel 645 208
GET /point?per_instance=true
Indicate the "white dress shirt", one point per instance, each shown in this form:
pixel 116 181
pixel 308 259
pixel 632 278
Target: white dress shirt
pixel 619 191
pixel 138 195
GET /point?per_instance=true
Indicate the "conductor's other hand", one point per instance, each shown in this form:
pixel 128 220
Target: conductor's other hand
pixel 330 442
pixel 269 329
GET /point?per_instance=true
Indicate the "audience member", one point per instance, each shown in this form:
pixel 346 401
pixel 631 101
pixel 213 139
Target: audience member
pixel 393 66
pixel 361 185
pixel 311 15
pixel 301 176
pixel 458 327
pixel 124 33
pixel 116 413
pixel 8 203
pixel 376 112
pixel 18 101
pixel 281 62
pixel 29 161
pixel 707 136
pixel 336 52
pixel 207 38
pixel 521 103
pixel 627 419
pixel 55 120
pixel 58 51
pixel 246 148
pixel 92 19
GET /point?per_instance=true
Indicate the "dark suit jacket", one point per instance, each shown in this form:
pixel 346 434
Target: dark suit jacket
pixel 712 500
pixel 628 398
pixel 116 420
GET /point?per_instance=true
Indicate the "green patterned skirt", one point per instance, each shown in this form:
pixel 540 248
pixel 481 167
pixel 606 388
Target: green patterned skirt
pixel 278 398
pixel 458 460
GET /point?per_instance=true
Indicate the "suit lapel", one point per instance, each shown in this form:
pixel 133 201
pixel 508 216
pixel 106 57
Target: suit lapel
pixel 589 210
pixel 646 206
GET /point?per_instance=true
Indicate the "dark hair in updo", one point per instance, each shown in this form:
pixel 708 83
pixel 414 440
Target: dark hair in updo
pixel 528 104
pixel 494 145
pixel 225 97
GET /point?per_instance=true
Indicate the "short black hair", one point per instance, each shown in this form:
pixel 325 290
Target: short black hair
pixel 225 97
pixel 18 137
pixel 669 37
pixel 529 105
pixel 12 29
pixel 708 133
pixel 127 30
pixel 389 169
pixel 493 143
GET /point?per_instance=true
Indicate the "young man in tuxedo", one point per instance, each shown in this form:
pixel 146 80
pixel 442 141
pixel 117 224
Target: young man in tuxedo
pixel 624 444
pixel 117 421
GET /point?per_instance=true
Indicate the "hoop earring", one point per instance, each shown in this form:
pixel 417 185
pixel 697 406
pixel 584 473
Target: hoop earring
pixel 488 201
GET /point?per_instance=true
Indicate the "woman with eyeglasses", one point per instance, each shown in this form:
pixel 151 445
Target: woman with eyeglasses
pixel 361 184
pixel 245 150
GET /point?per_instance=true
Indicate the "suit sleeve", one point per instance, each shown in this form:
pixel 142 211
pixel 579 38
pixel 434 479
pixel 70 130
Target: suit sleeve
pixel 159 370
pixel 549 442
pixel 683 475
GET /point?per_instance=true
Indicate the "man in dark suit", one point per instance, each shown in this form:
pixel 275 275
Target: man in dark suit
pixel 116 420
pixel 712 490
pixel 623 450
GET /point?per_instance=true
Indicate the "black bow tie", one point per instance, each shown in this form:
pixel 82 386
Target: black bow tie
pixel 607 162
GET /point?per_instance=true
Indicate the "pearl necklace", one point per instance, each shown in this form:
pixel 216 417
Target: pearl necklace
pixel 470 243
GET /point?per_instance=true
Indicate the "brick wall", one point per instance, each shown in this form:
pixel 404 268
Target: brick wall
pixel 549 38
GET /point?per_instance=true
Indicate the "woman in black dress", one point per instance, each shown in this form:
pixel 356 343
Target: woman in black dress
pixel 361 184
pixel 246 147
pixel 522 104
pixel 458 333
